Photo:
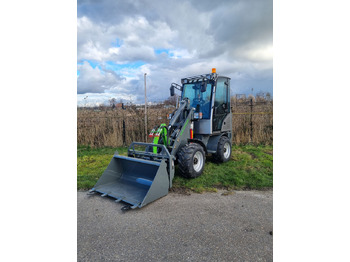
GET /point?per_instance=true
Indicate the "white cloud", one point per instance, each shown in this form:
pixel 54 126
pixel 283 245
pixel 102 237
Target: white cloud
pixel 92 99
pixel 233 36
pixel 139 39
pixel 95 80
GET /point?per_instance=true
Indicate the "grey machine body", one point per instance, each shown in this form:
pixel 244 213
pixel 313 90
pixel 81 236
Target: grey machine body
pixel 196 127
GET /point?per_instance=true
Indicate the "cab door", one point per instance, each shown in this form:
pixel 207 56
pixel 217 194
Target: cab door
pixel 221 107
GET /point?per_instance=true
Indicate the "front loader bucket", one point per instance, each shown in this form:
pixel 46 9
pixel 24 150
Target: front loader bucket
pixel 135 181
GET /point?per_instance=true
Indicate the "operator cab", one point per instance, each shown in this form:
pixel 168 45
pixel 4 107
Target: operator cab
pixel 199 94
pixel 210 96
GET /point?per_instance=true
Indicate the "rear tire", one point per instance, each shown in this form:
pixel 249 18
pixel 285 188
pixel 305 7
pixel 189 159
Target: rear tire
pixel 191 160
pixel 223 153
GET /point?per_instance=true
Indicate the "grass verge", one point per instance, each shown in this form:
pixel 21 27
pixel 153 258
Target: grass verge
pixel 250 168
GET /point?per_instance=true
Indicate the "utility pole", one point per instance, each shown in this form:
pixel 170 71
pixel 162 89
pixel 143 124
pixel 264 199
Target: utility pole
pixel 251 117
pixel 251 120
pixel 145 109
pixel 85 101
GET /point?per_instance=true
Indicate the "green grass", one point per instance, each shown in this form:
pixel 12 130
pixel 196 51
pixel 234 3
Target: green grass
pixel 250 168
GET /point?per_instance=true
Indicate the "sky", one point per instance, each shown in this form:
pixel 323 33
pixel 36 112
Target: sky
pixel 119 41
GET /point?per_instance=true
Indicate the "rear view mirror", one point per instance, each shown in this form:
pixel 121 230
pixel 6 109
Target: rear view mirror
pixel 172 88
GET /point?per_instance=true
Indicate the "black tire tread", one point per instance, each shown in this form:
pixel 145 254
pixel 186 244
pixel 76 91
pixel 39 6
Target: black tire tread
pixel 219 156
pixel 185 160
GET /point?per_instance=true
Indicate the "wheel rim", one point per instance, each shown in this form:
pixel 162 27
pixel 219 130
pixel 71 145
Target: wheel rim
pixel 198 161
pixel 227 150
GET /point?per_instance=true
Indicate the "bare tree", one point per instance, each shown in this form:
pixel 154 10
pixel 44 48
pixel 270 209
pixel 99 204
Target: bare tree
pixel 112 102
pixel 171 100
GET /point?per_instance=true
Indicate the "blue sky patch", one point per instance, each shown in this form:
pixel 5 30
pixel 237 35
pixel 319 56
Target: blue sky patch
pixel 92 63
pixel 159 51
pixel 117 42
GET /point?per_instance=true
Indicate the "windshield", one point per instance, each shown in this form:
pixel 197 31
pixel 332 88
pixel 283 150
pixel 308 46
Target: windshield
pixel 197 98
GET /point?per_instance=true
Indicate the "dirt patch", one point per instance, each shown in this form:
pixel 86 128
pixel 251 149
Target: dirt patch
pixel 252 155
pixel 259 189
pixel 227 193
pixel 180 190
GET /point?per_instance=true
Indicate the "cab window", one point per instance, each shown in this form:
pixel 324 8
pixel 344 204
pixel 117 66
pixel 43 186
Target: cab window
pixel 197 98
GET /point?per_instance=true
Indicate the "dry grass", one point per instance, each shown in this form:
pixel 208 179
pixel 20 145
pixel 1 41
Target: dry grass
pixel 104 126
pixel 261 119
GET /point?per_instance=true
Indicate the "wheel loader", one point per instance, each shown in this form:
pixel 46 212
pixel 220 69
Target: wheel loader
pixel 201 125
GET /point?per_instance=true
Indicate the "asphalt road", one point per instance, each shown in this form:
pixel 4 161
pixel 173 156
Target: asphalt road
pixel 196 227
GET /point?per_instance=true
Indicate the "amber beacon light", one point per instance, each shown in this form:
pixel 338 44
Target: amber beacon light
pixel 213 70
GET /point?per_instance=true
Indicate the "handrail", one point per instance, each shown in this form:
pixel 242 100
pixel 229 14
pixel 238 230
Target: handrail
pixel 163 148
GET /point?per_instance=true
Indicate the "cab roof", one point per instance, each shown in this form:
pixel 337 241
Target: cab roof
pixel 205 77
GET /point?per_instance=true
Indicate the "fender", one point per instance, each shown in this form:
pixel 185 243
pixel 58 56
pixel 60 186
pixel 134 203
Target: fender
pixel 213 142
pixel 199 142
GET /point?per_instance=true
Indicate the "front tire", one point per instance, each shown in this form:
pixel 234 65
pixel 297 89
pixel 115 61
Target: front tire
pixel 191 160
pixel 223 153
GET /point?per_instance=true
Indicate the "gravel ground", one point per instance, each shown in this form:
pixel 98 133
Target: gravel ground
pixel 196 227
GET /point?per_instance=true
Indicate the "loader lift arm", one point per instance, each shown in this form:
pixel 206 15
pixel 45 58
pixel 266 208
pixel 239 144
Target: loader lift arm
pixel 179 126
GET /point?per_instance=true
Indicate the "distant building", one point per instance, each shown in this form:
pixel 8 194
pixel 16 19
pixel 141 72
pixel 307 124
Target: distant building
pixel 119 106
